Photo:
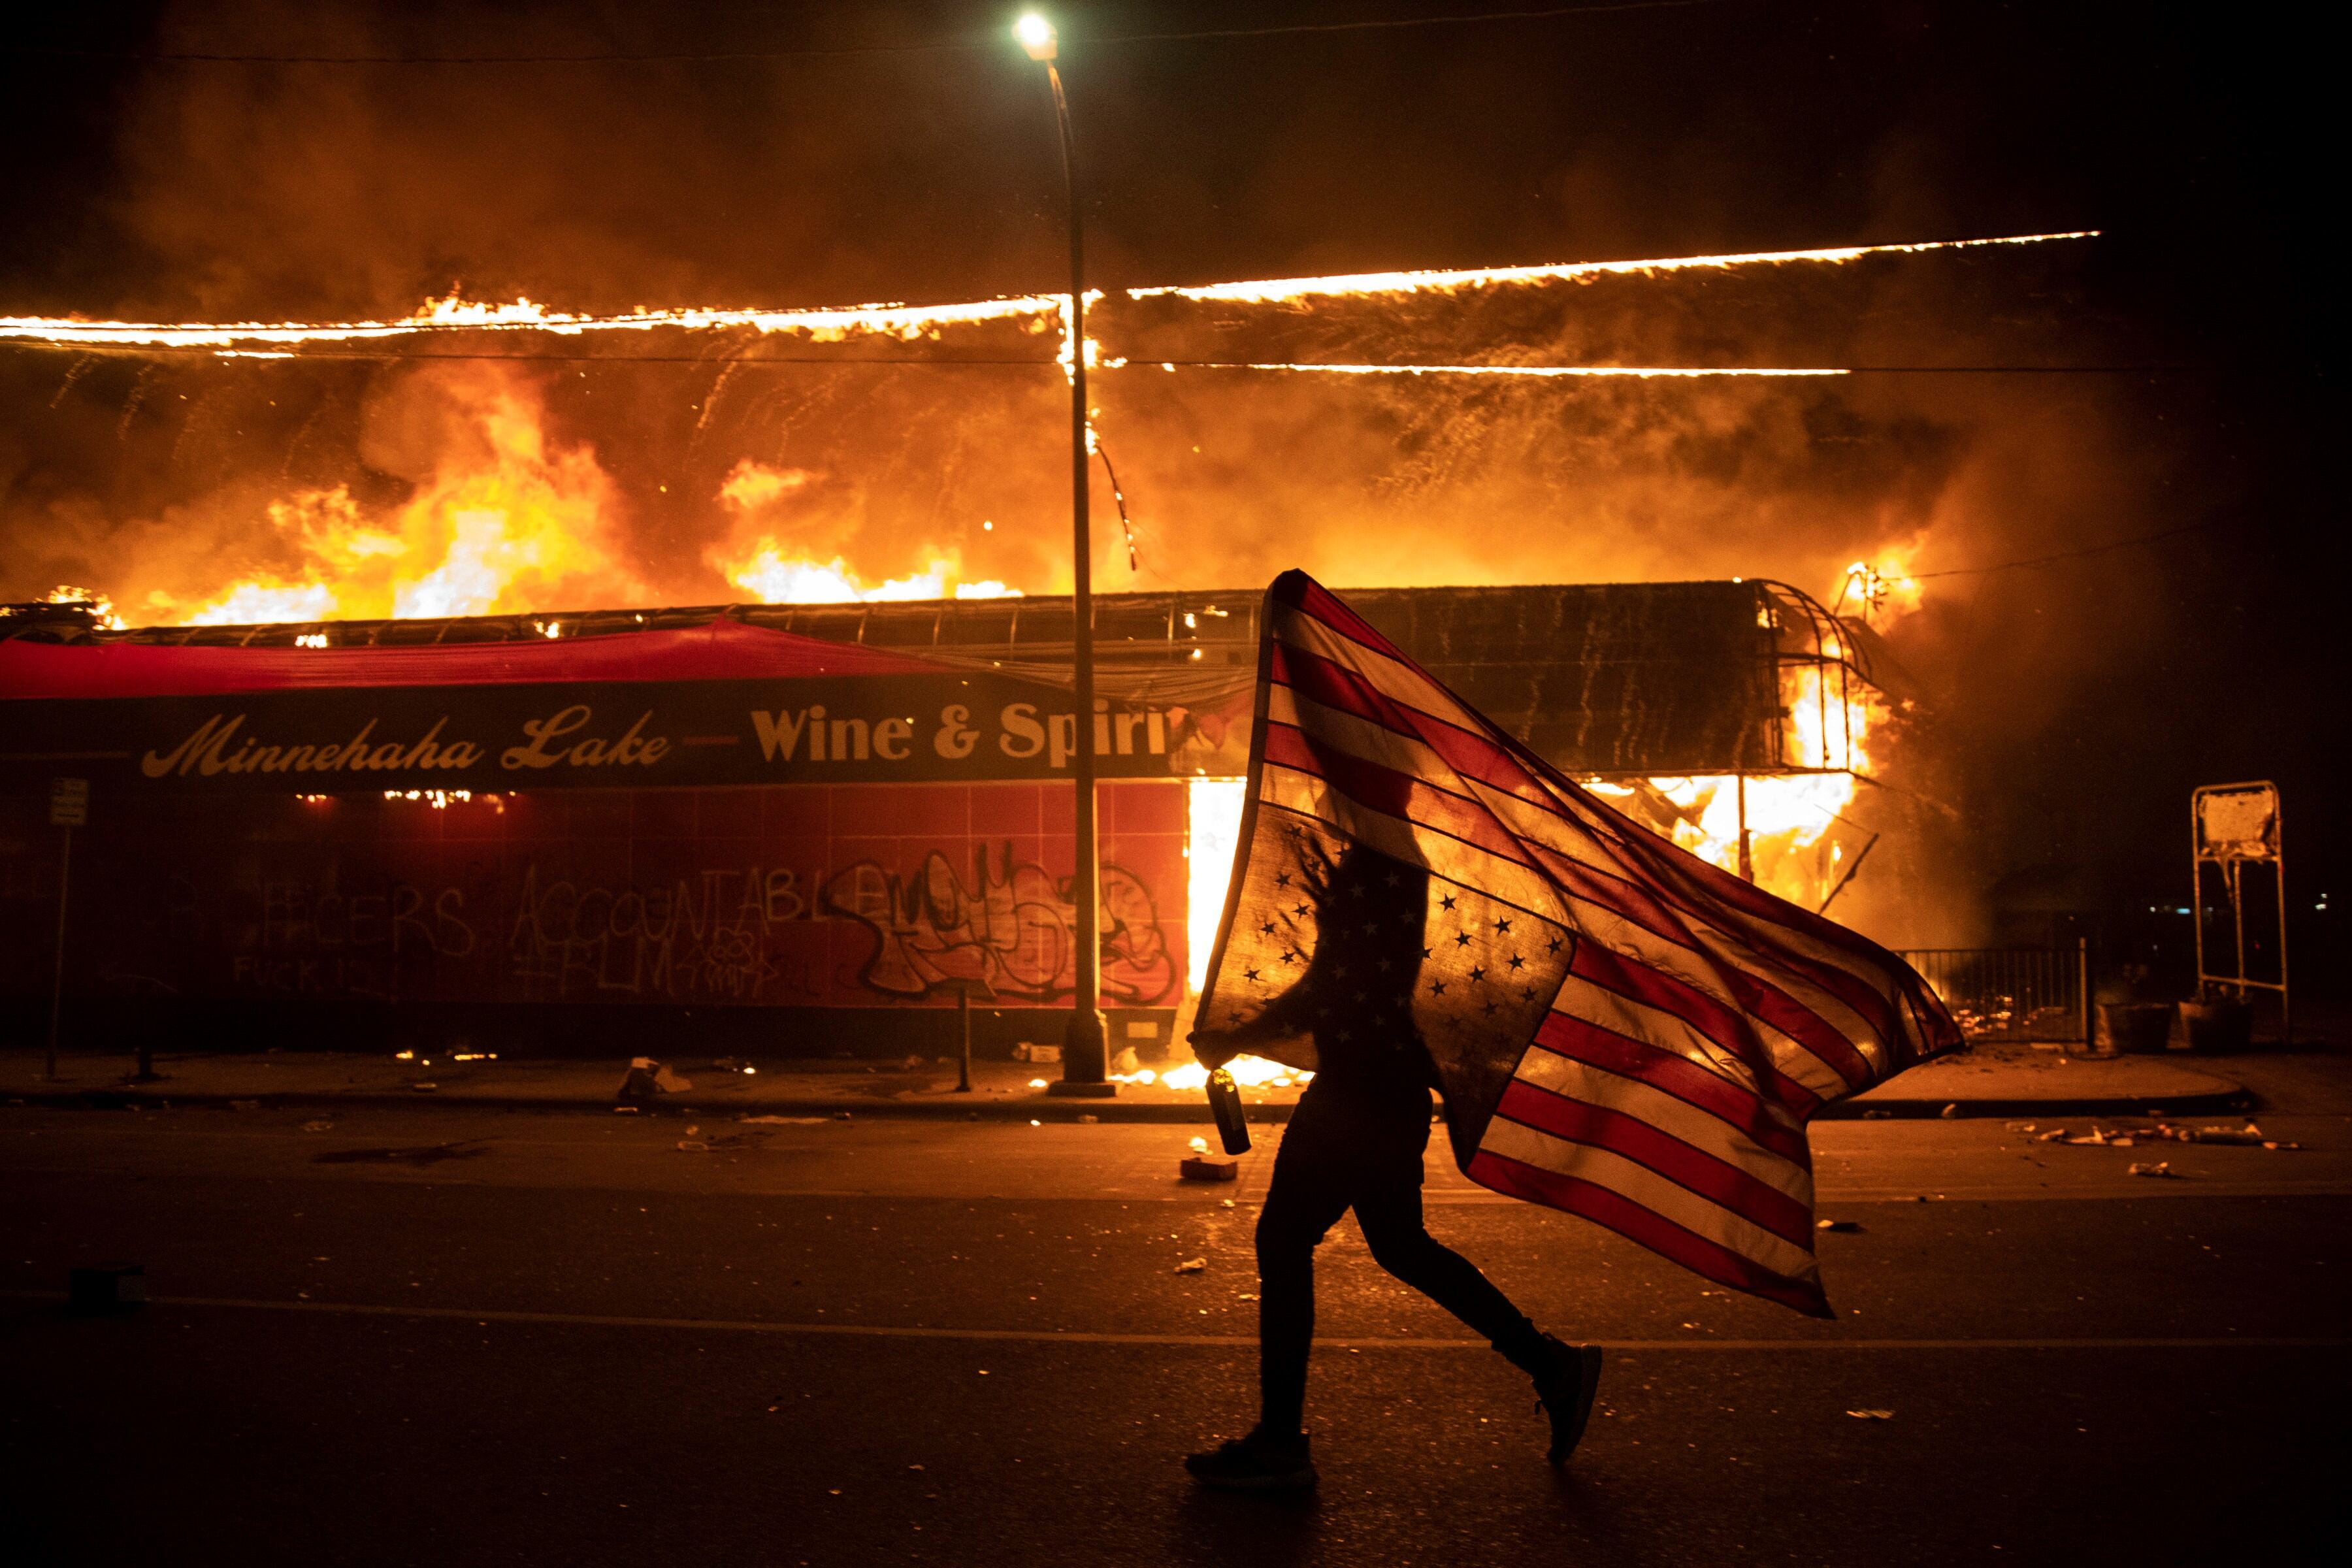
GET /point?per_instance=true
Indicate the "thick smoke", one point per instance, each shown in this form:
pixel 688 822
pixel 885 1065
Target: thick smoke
pixel 288 193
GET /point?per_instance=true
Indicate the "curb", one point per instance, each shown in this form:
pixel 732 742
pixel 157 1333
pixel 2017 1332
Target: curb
pixel 2216 1103
pixel 1043 1109
pixel 1040 1109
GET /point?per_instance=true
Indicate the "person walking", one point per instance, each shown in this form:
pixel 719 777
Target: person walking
pixel 1355 1141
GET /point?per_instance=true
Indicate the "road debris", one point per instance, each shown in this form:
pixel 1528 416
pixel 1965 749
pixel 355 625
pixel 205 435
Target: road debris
pixel 420 1155
pixel 2248 1136
pixel 2021 1126
pixel 1871 1414
pixel 1950 1113
pixel 781 1120
pixel 647 1078
pixel 1842 1225
pixel 319 1125
pixel 1192 1266
pixel 1204 1168
pixel 2150 1168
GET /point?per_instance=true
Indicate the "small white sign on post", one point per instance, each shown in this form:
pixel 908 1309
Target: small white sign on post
pixel 69 802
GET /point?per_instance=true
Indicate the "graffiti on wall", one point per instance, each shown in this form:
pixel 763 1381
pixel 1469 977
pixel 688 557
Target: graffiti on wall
pixel 698 939
pixel 1011 928
pixel 364 900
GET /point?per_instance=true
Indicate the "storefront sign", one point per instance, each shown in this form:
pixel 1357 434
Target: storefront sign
pixel 482 739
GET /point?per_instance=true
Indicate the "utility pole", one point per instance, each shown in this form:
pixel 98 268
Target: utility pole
pixel 1085 1053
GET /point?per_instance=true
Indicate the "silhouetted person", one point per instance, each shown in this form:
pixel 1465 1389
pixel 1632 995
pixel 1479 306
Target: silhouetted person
pixel 1356 1140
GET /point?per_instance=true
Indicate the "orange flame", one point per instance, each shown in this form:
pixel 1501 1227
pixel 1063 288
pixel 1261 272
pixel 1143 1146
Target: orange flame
pixel 1791 818
pixel 910 322
pixel 101 607
pixel 824 324
pixel 762 563
pixel 517 525
pixel 1283 289
pixel 1878 594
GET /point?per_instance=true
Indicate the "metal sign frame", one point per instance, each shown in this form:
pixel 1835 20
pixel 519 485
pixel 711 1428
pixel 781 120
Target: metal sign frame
pixel 2256 806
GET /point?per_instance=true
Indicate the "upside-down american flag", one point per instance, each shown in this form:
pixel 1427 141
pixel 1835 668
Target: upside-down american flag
pixel 1619 1029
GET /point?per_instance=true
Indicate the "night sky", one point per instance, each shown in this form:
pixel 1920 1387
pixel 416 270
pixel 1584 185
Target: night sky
pixel 906 153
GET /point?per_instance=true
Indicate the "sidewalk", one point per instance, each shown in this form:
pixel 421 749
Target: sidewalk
pixel 1989 1081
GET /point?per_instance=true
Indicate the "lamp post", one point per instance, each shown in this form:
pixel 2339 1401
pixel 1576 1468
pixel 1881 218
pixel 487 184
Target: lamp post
pixel 1085 1054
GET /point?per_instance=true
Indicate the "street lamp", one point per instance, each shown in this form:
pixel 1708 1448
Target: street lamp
pixel 1084 1055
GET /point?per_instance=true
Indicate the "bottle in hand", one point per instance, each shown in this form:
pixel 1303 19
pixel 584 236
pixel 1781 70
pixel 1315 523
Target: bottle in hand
pixel 1225 1105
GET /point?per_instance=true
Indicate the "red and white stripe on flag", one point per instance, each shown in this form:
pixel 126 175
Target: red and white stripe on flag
pixel 1621 1029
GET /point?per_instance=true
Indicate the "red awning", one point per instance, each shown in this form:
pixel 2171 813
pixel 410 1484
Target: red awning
pixel 723 650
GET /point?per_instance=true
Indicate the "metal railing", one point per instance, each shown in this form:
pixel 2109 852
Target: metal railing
pixel 2011 993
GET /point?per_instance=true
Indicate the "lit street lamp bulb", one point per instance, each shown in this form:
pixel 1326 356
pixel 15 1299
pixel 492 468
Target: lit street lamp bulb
pixel 1035 35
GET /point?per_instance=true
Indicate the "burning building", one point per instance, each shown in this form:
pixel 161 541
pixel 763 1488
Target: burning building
pixel 368 778
pixel 799 829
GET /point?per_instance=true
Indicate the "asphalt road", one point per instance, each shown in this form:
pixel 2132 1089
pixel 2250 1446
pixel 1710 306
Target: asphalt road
pixel 451 1337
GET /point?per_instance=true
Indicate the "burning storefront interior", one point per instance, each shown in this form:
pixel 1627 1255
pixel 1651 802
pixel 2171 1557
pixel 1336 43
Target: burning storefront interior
pixel 801 830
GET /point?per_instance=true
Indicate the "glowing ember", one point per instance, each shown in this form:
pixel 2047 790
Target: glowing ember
pixel 438 799
pixel 1250 1072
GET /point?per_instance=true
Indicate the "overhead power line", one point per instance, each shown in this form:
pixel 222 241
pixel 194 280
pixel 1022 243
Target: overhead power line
pixel 1504 372
pixel 944 46
pixel 2111 545
pixel 1397 23
pixel 394 356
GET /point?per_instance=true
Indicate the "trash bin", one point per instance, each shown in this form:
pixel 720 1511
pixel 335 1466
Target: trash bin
pixel 2220 1024
pixel 2133 1027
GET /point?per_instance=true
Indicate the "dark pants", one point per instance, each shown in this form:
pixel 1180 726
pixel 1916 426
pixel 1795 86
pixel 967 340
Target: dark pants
pixel 1349 1150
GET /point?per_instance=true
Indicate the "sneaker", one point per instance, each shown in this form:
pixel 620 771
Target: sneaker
pixel 1255 1464
pixel 1564 1391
